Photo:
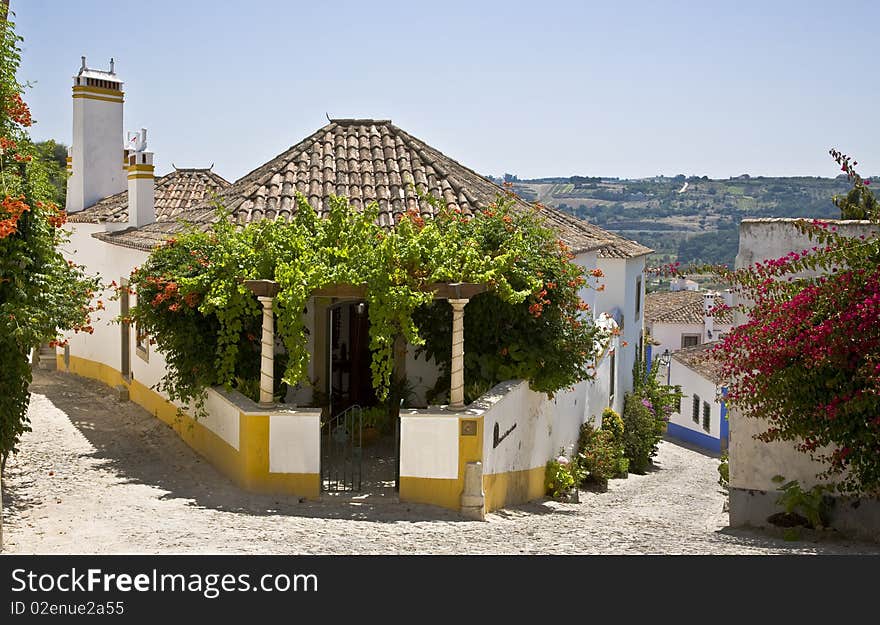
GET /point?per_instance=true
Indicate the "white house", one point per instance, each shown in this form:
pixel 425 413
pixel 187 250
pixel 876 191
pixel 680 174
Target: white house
pixel 623 298
pixel 678 319
pixel 683 284
pixel 486 456
pixel 701 418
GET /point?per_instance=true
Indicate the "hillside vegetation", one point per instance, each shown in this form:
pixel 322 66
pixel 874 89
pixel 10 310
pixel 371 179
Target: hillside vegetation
pixel 685 219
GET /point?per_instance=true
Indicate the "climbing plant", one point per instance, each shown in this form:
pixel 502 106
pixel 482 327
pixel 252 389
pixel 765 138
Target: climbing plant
pixel 193 302
pixel 806 360
pixel 41 293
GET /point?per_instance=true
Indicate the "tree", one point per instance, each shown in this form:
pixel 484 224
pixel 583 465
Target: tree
pixel 40 292
pixel 54 156
pixel 860 202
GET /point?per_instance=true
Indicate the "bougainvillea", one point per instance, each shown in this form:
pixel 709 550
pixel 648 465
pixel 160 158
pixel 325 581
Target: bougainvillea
pixel 193 302
pixel 807 357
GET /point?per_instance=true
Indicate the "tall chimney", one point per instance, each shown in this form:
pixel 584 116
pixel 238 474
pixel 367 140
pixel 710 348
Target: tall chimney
pixel 708 319
pixel 141 181
pixel 95 166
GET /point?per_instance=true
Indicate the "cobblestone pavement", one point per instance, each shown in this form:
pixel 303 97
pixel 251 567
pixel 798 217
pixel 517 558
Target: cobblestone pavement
pixel 100 476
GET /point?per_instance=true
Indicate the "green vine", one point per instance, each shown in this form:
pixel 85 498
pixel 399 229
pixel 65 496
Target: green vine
pixel 530 324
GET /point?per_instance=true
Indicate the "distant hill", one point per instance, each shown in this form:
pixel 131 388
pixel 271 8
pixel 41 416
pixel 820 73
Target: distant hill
pixel 684 219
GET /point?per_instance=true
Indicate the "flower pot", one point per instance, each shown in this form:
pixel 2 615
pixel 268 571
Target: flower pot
pixel 369 435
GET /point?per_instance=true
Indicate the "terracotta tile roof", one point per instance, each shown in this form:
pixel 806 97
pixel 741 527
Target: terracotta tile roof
pixel 365 160
pixel 623 248
pixel 700 359
pixel 175 192
pixel 681 307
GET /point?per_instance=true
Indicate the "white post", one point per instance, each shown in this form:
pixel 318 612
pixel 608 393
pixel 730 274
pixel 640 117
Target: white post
pixel 456 391
pixel 267 355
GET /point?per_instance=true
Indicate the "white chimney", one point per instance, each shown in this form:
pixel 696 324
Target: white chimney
pixel 141 181
pixel 727 294
pixel 95 166
pixel 708 319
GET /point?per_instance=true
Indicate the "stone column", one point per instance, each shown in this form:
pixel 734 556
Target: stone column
pixel 473 499
pixel 267 355
pixel 456 391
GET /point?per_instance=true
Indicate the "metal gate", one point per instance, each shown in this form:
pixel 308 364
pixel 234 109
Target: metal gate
pixel 342 451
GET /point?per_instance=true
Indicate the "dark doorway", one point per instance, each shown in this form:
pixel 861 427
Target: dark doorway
pixel 357 455
pixel 350 377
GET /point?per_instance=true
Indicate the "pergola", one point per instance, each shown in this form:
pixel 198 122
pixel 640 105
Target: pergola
pixel 457 293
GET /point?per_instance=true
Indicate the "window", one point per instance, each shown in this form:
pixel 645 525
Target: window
pixel 690 340
pixel 696 411
pixel 679 405
pixel 141 343
pixel 638 295
pixel 707 419
pixel 611 384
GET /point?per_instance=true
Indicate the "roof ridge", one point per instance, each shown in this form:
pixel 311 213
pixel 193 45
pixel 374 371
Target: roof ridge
pixel 344 121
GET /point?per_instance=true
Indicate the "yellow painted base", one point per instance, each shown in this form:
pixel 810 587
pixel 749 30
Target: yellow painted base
pixel 248 466
pixel 433 491
pixel 515 487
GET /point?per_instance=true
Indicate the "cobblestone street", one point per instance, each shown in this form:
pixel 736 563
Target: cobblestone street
pixel 100 476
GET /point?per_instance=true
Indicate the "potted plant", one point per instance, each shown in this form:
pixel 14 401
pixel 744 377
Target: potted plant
pixel 372 421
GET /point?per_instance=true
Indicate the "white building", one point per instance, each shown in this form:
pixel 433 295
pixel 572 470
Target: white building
pixel 623 298
pixel 679 319
pixel 701 418
pixel 683 284
pixel 506 436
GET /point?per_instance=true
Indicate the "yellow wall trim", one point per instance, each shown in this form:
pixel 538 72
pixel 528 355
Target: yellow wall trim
pixel 248 466
pixel 137 176
pixel 141 167
pixel 514 487
pixel 433 491
pixel 97 90
pixel 86 96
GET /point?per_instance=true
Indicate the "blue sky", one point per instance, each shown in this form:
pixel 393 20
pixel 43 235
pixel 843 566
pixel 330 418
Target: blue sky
pixel 625 89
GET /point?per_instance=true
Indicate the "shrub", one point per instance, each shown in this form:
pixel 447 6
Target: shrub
pixel 724 471
pixel 612 422
pixel 600 454
pixel 642 432
pixel 558 479
pixel 813 505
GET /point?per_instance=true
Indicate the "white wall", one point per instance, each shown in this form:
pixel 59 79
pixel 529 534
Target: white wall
pixel 620 281
pixel 543 426
pixel 754 463
pixel 421 372
pixel 428 445
pixel 110 262
pixel 597 391
pixel 692 383
pixel 223 418
pixel 295 442
pixel 669 335
pixel 97 150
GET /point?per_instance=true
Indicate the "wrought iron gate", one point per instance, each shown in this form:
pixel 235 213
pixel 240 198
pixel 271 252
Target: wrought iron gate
pixel 342 451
